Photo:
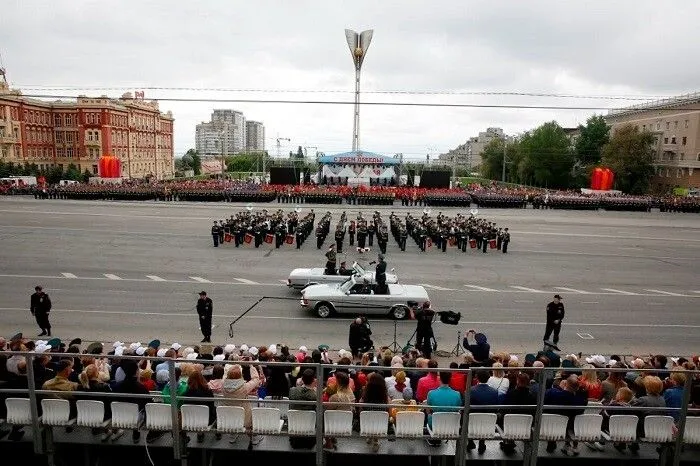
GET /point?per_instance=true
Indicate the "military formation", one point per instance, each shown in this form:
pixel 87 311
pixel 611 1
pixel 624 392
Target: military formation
pixel 463 232
pixel 256 228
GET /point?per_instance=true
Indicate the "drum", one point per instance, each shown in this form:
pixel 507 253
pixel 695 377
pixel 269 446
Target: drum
pixel 472 243
pixel 269 238
pixel 492 243
pixel 428 242
pixel 248 238
pixel 452 241
pixel 227 237
pixel 290 239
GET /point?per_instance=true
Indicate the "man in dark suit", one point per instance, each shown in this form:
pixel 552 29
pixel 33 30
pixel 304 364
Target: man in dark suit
pixel 482 394
pixel 205 309
pixel 40 306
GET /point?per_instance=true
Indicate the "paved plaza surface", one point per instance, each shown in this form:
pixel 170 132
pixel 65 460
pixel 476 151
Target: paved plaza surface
pixel 132 272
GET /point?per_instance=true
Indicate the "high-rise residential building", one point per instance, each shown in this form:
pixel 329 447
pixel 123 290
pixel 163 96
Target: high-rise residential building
pixel 255 136
pixel 61 133
pixel 469 153
pixel 225 132
pixel 675 123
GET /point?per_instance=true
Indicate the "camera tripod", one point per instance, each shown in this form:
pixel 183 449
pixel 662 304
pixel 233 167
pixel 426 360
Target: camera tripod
pixel 458 347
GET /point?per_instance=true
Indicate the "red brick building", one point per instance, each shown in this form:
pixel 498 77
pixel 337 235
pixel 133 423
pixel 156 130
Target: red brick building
pixel 79 132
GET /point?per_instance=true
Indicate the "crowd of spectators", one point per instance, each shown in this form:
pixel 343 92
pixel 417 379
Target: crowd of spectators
pixel 229 374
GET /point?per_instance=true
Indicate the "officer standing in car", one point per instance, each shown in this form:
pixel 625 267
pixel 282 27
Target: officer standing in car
pixel 380 275
pixel 205 309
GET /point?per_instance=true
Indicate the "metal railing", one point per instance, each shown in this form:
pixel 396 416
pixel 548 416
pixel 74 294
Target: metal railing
pixel 530 456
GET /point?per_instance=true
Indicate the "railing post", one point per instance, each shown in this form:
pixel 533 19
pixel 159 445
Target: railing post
pixel 681 419
pixel 319 414
pixel 173 385
pixel 464 435
pixel 535 439
pixel 36 428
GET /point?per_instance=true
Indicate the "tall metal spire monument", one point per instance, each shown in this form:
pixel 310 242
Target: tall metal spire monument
pixel 358 43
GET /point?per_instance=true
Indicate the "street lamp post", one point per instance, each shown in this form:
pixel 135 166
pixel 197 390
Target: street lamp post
pixel 358 43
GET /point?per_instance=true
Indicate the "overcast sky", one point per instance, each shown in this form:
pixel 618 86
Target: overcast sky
pixel 621 48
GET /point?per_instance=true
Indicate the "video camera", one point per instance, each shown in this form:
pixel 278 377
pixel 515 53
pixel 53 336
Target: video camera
pixel 450 317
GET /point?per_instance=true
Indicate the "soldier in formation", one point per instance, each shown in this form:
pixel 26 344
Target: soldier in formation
pixel 260 226
pixel 322 229
pixel 460 231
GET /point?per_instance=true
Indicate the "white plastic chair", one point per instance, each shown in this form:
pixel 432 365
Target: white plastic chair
pixel 337 423
pixel 230 419
pixel 658 429
pixel 374 423
pixel 623 428
pixel 482 426
pixel 18 412
pixel 91 413
pixel 517 427
pixel 283 407
pixel 587 427
pixel 409 424
pixel 691 435
pixel 158 417
pixel 266 421
pixel 301 422
pixel 195 418
pixel 445 425
pixel 55 412
pixel 125 415
pixel 553 427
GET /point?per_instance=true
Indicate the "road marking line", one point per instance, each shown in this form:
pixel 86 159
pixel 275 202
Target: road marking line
pixel 572 290
pixel 284 282
pixel 590 302
pixel 188 315
pixel 628 293
pixel 585 336
pixel 69 275
pixel 668 293
pixel 481 288
pixel 156 278
pixel 111 276
pixel 656 304
pixel 246 281
pixel 530 290
pixel 436 287
pixel 200 279
pixel 527 301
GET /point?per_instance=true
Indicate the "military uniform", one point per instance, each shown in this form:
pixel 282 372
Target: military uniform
pixel 215 234
pixel 205 310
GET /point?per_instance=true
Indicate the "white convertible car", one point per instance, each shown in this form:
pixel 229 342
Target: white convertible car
pixel 301 278
pixel 354 296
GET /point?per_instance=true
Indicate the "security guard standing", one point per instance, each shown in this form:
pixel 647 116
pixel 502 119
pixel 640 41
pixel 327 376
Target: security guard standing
pixel 205 309
pixel 555 314
pixel 424 330
pixel 215 234
pixel 40 306
pixel 506 240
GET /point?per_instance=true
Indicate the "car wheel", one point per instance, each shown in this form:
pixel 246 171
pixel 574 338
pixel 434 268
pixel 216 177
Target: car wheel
pixel 324 310
pixel 399 312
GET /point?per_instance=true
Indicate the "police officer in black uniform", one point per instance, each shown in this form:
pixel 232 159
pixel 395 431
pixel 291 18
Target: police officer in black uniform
pixel 424 330
pixel 555 314
pixel 505 241
pixel 380 275
pixel 40 306
pixel 205 308
pixel 215 234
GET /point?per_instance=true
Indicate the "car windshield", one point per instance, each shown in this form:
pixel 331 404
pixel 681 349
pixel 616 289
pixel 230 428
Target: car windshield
pixel 358 268
pixel 346 285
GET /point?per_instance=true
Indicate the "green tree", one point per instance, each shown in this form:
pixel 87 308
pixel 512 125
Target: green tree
pixel 193 161
pixel 86 176
pixel 630 155
pixel 547 159
pixel 492 161
pixel 589 145
pixel 72 173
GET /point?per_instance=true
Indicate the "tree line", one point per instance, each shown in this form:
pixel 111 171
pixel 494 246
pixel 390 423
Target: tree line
pixel 547 157
pixel 52 174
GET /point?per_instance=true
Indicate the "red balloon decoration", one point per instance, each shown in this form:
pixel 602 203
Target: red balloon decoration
pixel 110 167
pixel 604 179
